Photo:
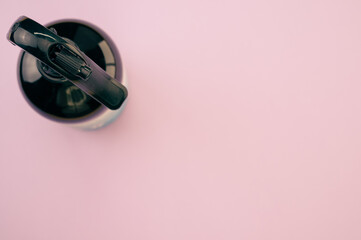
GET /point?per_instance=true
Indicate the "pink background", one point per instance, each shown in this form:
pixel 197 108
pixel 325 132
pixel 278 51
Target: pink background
pixel 243 122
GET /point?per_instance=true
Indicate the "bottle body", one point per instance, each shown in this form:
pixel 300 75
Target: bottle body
pixel 56 98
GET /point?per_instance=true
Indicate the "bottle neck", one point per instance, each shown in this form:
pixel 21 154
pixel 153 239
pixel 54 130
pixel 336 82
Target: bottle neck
pixel 49 74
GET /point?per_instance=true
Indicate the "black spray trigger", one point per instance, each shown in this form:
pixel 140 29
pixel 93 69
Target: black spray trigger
pixel 65 58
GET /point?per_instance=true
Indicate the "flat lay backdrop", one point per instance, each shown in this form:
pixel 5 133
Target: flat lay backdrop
pixel 243 122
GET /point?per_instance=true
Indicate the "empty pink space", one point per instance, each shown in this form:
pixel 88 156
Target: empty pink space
pixel 243 122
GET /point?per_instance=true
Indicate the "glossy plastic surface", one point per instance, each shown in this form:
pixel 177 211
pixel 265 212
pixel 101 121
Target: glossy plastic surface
pixel 58 99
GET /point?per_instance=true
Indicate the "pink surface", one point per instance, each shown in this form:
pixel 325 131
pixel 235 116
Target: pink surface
pixel 243 122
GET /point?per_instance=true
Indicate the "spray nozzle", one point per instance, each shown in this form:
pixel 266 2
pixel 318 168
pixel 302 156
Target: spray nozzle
pixel 65 58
